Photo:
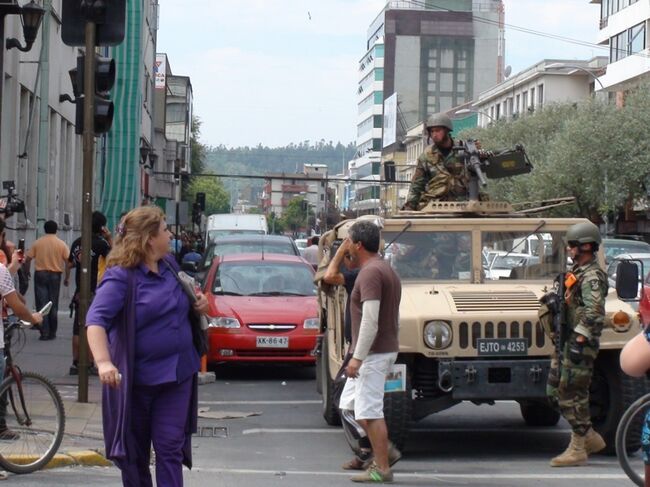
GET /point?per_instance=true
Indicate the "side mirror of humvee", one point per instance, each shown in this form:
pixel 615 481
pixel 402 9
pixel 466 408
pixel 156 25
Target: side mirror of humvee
pixel 627 280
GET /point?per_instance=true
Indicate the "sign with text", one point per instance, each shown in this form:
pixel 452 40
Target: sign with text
pixel 160 71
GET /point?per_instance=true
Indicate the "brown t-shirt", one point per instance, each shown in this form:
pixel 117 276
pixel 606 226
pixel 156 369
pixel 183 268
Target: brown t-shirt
pixel 378 281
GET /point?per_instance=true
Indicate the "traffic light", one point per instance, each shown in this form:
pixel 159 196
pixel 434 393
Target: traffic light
pixel 200 200
pixel 109 15
pixel 196 213
pixel 104 81
pixel 303 205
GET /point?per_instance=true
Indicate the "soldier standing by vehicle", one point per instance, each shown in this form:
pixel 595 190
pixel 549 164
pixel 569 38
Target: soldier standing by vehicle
pixel 586 289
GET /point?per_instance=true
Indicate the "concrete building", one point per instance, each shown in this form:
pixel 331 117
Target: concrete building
pixel 548 81
pixel 310 184
pixel 624 28
pixel 39 149
pixel 433 56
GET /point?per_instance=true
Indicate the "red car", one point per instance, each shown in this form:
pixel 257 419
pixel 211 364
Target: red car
pixel 263 308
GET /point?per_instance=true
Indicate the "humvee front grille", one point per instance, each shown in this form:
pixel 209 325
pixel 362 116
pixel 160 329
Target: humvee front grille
pixel 495 301
pixel 469 333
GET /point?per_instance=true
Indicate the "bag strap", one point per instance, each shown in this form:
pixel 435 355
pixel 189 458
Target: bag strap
pixel 191 296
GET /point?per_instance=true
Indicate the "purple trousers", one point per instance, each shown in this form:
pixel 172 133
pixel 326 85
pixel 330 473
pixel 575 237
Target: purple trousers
pixel 158 416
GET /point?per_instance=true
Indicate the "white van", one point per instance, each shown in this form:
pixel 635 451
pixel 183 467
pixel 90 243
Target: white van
pixel 234 224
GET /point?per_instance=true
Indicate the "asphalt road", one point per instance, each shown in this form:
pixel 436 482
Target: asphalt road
pixel 289 444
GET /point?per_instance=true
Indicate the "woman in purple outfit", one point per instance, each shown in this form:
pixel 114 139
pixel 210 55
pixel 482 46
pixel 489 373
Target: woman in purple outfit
pixel 140 335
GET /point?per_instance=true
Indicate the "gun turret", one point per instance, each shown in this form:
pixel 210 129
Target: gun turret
pixel 482 165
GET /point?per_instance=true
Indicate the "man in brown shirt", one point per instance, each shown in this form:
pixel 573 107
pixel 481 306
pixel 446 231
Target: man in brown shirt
pixel 50 255
pixel 374 308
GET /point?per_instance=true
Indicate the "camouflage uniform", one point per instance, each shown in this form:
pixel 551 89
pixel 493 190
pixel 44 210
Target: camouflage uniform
pixel 568 387
pixel 437 178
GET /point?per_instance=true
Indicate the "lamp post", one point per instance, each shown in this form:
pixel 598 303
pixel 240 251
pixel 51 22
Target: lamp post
pixel 31 16
pixel 467 111
pixel 579 68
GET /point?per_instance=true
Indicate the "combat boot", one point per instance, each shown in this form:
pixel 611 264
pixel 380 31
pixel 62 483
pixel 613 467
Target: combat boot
pixel 575 454
pixel 594 442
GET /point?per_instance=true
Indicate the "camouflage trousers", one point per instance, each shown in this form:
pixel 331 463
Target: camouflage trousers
pixel 568 382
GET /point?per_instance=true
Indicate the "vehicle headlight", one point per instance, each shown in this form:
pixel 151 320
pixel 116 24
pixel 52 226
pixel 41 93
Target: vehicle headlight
pixel 437 334
pixel 223 322
pixel 311 324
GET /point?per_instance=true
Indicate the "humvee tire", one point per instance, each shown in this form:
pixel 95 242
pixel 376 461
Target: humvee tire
pixel 329 398
pixel 610 382
pixel 539 413
pixel 398 409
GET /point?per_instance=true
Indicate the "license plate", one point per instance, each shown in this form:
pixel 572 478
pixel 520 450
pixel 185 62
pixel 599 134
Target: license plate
pixel 272 342
pixel 502 346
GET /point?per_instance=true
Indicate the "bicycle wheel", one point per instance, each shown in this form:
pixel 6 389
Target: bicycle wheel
pixel 34 410
pixel 636 413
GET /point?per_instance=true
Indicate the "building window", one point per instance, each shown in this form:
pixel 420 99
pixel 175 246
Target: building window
pixel 637 38
pixel 322 197
pixel 532 97
pixel 377 121
pixel 379 97
pixel 492 112
pixel 525 101
pixel 379 74
pixel 540 95
pixel 518 103
pixel 628 42
pixel 498 111
pixel 511 109
pixel 379 51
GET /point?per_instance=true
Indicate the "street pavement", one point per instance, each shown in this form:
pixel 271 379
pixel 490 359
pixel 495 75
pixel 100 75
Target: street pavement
pixel 287 443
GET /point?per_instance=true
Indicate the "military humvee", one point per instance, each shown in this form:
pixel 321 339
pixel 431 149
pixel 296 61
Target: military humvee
pixel 472 274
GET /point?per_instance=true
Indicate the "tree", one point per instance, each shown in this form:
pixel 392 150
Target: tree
pixel 295 214
pixel 197 158
pixel 217 199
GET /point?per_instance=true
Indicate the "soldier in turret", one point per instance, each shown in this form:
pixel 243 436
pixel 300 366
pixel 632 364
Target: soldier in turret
pixel 440 175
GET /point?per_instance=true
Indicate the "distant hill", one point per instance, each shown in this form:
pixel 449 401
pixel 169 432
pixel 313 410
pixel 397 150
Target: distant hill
pixel 260 160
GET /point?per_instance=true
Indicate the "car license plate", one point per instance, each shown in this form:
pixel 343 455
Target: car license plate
pixel 272 342
pixel 502 346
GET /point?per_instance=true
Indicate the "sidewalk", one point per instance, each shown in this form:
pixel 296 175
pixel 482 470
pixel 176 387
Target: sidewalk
pixel 83 426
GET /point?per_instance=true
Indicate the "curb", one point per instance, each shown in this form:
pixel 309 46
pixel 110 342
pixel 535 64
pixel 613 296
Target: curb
pixel 85 458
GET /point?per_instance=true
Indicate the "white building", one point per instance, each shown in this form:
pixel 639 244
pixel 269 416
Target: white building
pixel 624 26
pixel 281 188
pixel 550 80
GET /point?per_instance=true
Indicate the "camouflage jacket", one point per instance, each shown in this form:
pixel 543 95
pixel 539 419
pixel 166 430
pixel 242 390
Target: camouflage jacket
pixel 585 300
pixel 437 178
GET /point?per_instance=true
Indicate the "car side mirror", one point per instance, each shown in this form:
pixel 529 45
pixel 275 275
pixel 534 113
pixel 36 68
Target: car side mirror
pixel 627 280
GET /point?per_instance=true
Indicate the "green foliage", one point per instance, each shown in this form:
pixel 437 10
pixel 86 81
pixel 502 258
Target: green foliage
pixel 294 216
pixel 217 199
pixel 591 150
pixel 198 150
pixel 277 225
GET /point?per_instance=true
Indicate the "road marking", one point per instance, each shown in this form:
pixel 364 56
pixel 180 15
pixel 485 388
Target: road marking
pixel 255 431
pixel 432 476
pixel 270 403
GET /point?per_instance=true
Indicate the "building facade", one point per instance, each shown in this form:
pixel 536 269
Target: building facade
pixel 550 80
pixel 624 28
pixel 432 56
pixel 310 184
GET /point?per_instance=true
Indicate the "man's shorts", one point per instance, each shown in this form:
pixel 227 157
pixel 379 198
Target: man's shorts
pixel 365 394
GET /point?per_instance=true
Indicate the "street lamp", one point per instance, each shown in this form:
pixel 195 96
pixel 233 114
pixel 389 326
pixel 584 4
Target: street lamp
pixel 31 16
pixel 579 68
pixel 466 111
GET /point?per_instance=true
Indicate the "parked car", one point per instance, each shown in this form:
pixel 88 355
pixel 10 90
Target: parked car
pixel 503 263
pixel 616 246
pixel 241 244
pixel 263 308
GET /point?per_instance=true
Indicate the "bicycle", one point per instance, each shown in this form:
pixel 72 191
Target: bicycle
pixel 33 411
pixel 631 422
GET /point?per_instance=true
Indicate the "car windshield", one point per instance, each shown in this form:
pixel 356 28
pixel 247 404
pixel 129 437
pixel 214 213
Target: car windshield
pixel 212 234
pixel 617 247
pixel 229 248
pixel 520 255
pixel 264 279
pixel 431 255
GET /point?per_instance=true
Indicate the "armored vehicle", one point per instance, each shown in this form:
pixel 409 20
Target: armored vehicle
pixel 468 333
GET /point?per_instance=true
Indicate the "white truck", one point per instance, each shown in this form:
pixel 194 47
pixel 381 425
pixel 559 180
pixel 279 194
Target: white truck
pixel 234 224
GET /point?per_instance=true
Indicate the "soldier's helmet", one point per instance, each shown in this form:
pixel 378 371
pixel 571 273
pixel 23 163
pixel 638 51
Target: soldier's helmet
pixel 585 232
pixel 439 120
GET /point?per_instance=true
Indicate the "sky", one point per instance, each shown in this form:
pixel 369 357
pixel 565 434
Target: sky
pixel 281 71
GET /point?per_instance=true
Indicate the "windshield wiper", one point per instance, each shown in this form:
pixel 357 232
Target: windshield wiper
pixel 401 232
pixel 539 227
pixel 228 293
pixel 277 293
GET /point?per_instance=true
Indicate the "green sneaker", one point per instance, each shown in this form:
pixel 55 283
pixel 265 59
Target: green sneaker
pixel 373 476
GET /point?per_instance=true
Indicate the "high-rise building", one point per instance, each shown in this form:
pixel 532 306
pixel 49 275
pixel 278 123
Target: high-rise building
pixel 432 55
pixel 624 27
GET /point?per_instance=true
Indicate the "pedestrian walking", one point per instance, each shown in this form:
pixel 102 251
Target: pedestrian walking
pixel 310 254
pixel 50 256
pixel 140 335
pixel 374 309
pixel 568 387
pixel 101 246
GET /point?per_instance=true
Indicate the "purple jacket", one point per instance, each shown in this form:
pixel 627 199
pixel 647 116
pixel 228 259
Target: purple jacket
pixel 116 403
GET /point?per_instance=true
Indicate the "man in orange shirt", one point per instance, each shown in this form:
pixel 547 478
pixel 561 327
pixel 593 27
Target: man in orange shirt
pixel 50 255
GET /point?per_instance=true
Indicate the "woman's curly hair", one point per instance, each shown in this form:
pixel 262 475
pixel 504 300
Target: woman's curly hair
pixel 132 235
